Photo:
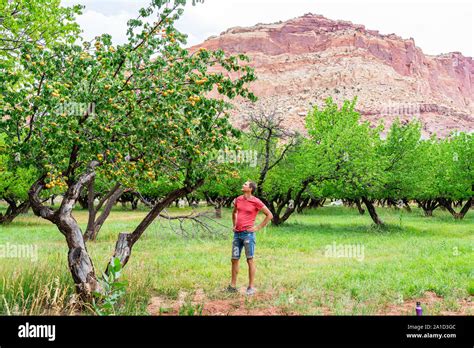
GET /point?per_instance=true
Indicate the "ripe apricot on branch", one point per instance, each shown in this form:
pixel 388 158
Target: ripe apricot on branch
pixel 202 81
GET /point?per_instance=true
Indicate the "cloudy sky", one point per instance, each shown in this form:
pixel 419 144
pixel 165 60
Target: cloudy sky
pixel 437 26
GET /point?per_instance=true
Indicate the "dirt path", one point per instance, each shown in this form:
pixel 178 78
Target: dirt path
pixel 231 304
pixel 198 303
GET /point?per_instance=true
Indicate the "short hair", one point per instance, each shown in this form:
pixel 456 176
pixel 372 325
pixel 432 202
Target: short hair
pixel 253 186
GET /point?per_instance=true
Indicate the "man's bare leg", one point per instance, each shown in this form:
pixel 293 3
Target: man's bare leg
pixel 251 264
pixel 235 271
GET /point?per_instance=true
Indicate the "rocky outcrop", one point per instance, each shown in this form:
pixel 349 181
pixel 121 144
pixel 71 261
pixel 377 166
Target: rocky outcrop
pixel 302 61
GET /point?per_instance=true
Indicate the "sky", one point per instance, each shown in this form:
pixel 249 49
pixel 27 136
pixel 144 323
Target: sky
pixel 437 26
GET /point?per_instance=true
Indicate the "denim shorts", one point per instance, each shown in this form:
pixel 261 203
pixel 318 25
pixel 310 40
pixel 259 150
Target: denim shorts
pixel 243 240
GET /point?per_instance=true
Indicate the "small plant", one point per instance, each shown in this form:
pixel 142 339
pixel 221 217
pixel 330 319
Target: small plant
pixel 470 289
pixel 165 310
pixel 190 309
pixel 105 302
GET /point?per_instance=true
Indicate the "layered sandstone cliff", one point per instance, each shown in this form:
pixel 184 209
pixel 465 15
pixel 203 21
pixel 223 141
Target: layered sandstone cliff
pixel 302 61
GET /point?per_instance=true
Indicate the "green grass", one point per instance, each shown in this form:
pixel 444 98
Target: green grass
pixel 409 257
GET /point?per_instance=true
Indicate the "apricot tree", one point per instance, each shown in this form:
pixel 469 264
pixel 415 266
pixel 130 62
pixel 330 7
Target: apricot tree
pixel 141 110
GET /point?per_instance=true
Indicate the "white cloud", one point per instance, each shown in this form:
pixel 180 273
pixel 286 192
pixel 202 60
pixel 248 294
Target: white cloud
pixel 437 27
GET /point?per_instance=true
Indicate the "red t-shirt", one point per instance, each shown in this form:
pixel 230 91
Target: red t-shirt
pixel 247 210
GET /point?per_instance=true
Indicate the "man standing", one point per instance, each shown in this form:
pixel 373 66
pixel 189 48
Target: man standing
pixel 246 208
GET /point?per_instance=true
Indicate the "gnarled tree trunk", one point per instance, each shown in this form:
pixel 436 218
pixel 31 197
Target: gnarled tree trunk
pixel 126 241
pixel 359 207
pixel 216 202
pixel 372 212
pixel 428 206
pixel 282 202
pixel 303 204
pixel 94 225
pixel 448 205
pixel 13 210
pixel 79 261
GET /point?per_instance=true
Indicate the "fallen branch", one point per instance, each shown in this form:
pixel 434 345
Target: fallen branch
pixel 201 222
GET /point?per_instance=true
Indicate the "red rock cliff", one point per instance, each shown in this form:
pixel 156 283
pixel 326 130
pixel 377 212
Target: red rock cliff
pixel 301 62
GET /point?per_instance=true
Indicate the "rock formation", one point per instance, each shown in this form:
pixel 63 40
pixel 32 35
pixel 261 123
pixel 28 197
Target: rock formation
pixel 302 61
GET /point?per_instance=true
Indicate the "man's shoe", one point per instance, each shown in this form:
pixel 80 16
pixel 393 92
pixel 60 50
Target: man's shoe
pixel 250 291
pixel 231 289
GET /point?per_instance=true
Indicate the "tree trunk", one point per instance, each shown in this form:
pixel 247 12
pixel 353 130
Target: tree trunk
pixel 125 241
pixel 287 214
pixel 218 210
pixel 216 202
pixel 304 204
pixel 407 205
pixel 458 216
pixel 79 261
pixel 13 210
pixel 359 207
pixel 428 206
pixel 94 225
pixel 372 212
pixel 82 200
pixel 393 203
pixel 276 221
pixel 466 208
